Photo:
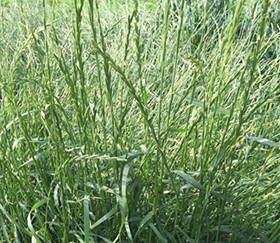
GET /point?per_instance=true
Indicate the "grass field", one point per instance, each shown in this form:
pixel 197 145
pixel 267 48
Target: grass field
pixel 139 121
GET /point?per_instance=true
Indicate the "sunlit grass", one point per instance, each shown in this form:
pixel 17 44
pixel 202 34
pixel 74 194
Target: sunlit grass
pixel 129 121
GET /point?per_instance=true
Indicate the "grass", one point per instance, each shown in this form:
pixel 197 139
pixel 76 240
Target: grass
pixel 135 121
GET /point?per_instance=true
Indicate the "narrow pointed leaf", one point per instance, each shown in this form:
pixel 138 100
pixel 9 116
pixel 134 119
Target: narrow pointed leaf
pixel 189 179
pixel 262 140
pixel 104 218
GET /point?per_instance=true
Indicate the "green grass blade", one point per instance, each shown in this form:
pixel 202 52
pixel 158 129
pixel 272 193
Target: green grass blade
pixel 105 217
pixel 158 234
pixel 189 179
pixel 86 219
pixel 143 223
pixel 35 236
pixel 125 211
pixel 264 141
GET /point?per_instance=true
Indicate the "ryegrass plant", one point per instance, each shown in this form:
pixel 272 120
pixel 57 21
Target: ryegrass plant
pixel 124 121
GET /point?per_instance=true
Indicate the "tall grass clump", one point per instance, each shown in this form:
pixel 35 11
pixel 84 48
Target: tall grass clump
pixel 139 121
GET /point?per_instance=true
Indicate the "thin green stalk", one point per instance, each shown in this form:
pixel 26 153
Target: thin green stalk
pixel 109 86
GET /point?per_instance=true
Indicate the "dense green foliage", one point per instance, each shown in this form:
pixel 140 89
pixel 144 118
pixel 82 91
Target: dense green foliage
pixel 139 121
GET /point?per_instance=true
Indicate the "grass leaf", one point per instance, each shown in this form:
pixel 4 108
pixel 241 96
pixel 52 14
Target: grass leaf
pixel 189 179
pixel 105 217
pixel 264 141
pixel 158 234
